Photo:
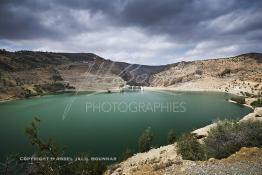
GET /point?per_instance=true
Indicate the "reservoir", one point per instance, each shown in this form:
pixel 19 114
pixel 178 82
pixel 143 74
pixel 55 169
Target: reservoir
pixel 105 124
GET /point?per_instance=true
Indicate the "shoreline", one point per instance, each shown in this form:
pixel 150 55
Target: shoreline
pixel 201 90
pixel 146 88
pixel 199 132
pixel 189 90
pixel 58 92
pixel 113 90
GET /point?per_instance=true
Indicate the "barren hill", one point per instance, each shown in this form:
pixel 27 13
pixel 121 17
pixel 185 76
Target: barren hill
pixel 28 73
pixel 240 73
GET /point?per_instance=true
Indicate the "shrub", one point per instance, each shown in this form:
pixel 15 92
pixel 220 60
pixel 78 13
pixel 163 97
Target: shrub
pixel 239 100
pixel 229 136
pixel 38 89
pixel 126 154
pixel 257 103
pixel 248 94
pixel 171 136
pixel 190 148
pixel 57 77
pixel 225 72
pixel 145 140
pixel 27 93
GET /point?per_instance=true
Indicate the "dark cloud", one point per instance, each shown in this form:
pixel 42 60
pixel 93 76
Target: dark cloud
pixel 187 23
pixel 189 20
pixel 184 20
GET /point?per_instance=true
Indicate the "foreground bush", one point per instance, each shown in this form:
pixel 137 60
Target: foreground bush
pixel 145 140
pixel 190 148
pixel 47 148
pixel 229 136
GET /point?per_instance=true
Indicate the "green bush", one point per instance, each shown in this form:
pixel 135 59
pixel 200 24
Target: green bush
pixel 239 100
pixel 229 136
pixel 171 136
pixel 257 103
pixel 145 140
pixel 190 148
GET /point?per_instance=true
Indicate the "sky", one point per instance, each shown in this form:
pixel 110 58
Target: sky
pixel 148 32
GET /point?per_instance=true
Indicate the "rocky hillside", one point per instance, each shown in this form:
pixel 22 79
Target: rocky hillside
pixel 28 73
pixel 240 74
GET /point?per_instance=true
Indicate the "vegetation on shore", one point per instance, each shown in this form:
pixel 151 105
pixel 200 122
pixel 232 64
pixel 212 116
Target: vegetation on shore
pixel 145 140
pixel 171 136
pixel 239 100
pixel 189 147
pixel 126 154
pixel 222 141
pixel 257 103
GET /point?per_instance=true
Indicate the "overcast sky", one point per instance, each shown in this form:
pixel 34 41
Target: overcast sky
pixel 135 31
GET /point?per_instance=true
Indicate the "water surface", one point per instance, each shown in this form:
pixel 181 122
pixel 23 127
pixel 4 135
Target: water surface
pixel 75 120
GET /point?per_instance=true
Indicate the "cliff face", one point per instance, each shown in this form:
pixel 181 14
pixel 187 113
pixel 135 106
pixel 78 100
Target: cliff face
pixel 27 73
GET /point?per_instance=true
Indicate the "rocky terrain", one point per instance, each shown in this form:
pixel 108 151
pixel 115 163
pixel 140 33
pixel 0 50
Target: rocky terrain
pixel 166 160
pixel 240 75
pixel 28 73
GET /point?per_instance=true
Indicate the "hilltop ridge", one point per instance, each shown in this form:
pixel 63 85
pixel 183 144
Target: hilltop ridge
pixel 30 73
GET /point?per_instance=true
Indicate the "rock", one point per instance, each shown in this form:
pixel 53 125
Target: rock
pixel 211 159
pixel 202 132
pixel 200 136
pixel 119 170
pixel 161 152
pixel 258 111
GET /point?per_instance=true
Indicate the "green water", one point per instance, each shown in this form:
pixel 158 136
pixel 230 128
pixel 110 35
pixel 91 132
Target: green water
pixel 72 121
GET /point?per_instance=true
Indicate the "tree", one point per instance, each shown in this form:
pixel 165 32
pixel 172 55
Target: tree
pixel 190 148
pixel 229 136
pixel 47 148
pixel 171 136
pixel 257 103
pixel 145 140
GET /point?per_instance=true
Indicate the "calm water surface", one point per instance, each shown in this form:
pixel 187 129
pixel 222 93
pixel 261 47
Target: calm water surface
pixel 106 124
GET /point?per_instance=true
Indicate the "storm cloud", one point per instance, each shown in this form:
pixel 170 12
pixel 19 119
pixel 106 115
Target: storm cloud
pixel 136 31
